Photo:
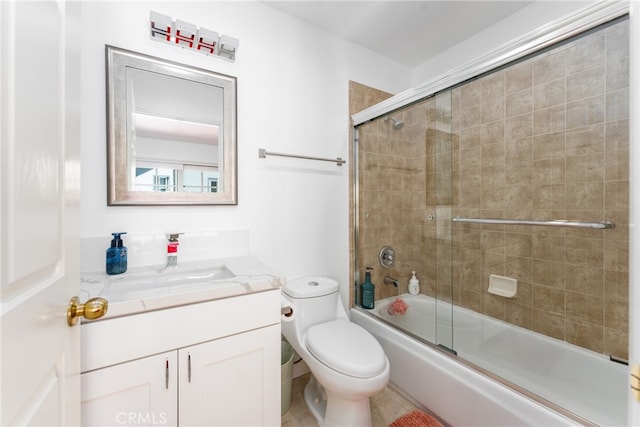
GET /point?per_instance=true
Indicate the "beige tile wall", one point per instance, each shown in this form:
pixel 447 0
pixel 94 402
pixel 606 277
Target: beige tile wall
pixel 546 138
pixel 360 98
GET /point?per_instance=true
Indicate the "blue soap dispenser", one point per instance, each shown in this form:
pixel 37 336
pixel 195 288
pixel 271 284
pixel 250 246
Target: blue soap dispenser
pixel 368 290
pixel 117 255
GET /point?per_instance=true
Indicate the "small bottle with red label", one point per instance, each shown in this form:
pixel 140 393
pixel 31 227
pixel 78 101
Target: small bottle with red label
pixel 172 250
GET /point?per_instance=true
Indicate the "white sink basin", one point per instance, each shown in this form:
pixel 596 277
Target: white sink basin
pixel 156 287
pixel 158 278
pixel 170 276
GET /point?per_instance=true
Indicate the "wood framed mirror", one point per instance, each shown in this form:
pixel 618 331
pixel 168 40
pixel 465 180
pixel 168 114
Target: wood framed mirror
pixel 171 132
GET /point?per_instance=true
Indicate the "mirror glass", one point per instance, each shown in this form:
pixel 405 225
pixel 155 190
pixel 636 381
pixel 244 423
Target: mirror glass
pixel 171 132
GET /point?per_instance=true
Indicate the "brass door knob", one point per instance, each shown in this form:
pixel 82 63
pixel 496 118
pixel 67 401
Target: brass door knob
pixel 95 308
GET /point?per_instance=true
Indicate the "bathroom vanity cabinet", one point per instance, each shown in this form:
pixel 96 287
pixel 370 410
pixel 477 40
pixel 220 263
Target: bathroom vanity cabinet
pixel 203 364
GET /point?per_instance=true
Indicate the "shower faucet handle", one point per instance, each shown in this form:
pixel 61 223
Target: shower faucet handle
pixel 387 256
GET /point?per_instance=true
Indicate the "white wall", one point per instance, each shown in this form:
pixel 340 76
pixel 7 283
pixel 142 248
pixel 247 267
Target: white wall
pixel 528 19
pixel 292 97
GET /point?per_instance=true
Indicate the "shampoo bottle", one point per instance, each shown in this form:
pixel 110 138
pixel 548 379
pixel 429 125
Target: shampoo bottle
pixel 414 284
pixel 116 255
pixel 368 290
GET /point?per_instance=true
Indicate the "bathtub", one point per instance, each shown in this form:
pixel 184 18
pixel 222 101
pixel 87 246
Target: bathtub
pixel 503 375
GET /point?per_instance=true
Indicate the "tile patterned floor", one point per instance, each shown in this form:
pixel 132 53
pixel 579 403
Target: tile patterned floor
pixel 386 406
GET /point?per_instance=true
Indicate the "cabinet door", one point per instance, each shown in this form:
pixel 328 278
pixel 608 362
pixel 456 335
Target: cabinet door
pixel 233 381
pixel 141 392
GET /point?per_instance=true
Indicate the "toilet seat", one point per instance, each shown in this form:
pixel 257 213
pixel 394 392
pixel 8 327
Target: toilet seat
pixel 347 348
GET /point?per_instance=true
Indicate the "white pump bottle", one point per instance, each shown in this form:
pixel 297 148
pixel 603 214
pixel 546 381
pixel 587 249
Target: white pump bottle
pixel 414 284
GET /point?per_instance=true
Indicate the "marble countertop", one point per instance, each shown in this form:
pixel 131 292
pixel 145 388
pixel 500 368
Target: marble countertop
pixel 156 287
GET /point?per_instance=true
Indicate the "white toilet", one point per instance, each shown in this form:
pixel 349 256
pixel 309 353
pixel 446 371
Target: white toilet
pixel 347 364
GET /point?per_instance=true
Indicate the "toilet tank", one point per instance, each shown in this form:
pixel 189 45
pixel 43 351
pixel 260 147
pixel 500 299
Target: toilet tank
pixel 315 299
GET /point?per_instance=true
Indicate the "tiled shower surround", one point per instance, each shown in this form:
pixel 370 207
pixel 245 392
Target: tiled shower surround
pixel 543 138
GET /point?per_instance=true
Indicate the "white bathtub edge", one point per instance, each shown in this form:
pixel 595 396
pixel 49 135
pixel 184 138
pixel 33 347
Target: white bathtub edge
pixel 456 393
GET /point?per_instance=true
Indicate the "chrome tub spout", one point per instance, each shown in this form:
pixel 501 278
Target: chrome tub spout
pixel 390 281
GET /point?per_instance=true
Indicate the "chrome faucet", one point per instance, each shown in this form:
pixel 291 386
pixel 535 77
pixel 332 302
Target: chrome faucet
pixel 390 281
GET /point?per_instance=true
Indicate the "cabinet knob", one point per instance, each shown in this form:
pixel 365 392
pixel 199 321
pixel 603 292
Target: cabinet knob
pixel 94 308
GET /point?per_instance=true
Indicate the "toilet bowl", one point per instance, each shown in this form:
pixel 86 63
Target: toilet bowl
pixel 347 364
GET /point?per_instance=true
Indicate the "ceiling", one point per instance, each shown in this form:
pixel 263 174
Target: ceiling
pixel 408 32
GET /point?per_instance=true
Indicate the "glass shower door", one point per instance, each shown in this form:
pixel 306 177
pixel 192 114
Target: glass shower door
pixel 441 138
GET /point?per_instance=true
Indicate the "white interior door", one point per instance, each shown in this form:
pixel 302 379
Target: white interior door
pixel 39 239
